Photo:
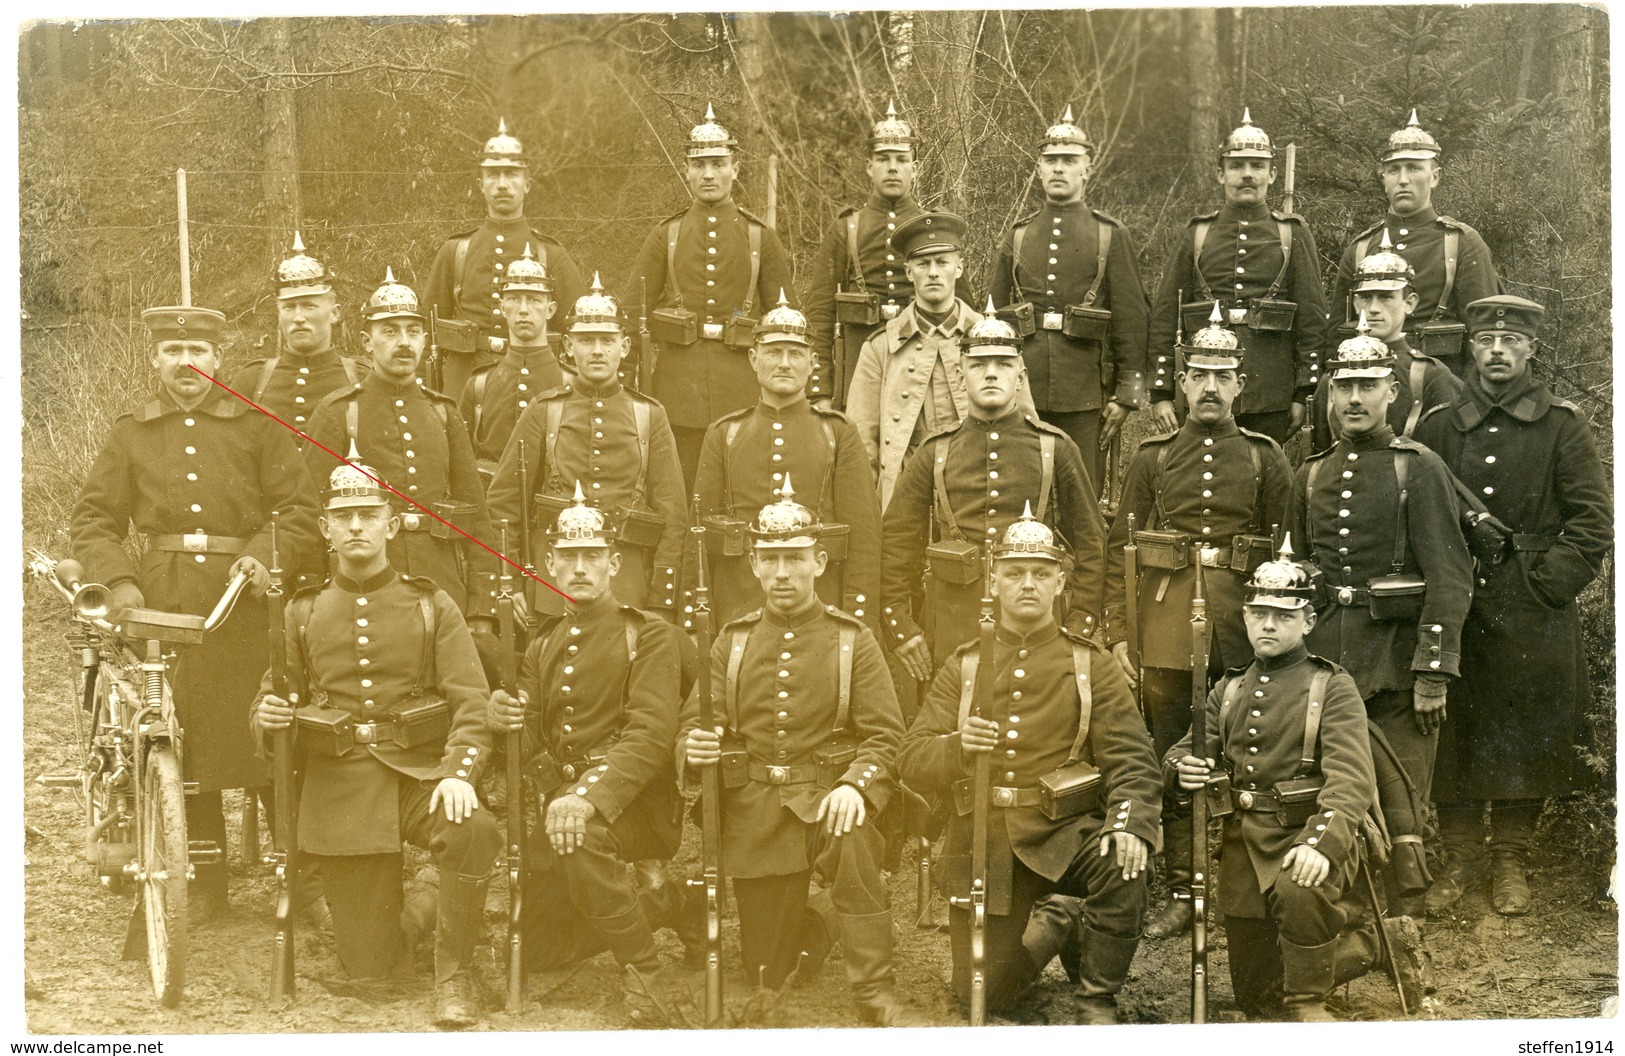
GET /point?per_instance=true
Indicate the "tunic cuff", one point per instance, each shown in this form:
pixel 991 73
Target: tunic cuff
pixel 1130 389
pixel 1430 657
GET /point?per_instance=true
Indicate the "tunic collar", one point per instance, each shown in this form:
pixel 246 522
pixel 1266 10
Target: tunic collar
pixel 1525 399
pixel 217 403
pixel 584 612
pixel 517 229
pixel 302 359
pixel 368 585
pixel 1250 213
pixel 799 409
pixel 902 207
pixel 1070 208
pixel 1420 219
pixel 796 620
pixel 1290 658
pixel 721 210
pixel 910 323
pixel 1217 431
pixel 595 392
pixel 1006 636
pixel 1008 420
pixel 1376 440
pixel 527 357
pixel 389 387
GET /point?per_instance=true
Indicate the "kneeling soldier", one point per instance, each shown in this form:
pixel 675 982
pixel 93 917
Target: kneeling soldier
pixel 598 697
pixel 392 738
pixel 1291 731
pixel 1066 874
pixel 807 754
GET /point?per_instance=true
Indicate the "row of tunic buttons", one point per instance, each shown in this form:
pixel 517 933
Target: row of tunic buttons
pixel 361 641
pixel 1207 478
pixel 992 492
pixel 565 748
pixel 496 278
pixel 891 275
pixel 299 419
pixel 1015 696
pixel 710 266
pixel 1348 474
pixel 192 476
pixel 783 715
pixel 1055 234
pixel 411 470
pixel 1252 749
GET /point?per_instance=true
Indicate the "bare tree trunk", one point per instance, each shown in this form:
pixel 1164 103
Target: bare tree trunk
pixel 505 43
pixel 280 140
pixel 752 35
pixel 1202 60
pixel 945 52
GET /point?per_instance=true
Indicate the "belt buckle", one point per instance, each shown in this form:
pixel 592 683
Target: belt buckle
pixel 1246 800
pixel 1051 321
pixel 1210 556
pixel 195 543
pixel 889 310
pixel 777 774
pixel 1004 797
pixel 411 521
pixel 711 331
pixel 1345 595
pixel 569 771
pixel 1238 316
pixel 366 732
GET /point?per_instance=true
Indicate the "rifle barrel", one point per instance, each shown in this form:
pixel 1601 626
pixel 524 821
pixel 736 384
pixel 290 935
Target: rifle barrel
pixel 710 789
pixel 282 963
pixel 1199 856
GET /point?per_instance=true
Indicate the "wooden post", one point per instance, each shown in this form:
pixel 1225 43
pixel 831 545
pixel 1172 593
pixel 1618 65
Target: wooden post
pixel 772 216
pixel 186 242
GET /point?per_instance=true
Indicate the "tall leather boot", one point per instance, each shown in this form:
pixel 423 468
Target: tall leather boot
pixel 866 941
pixel 1174 918
pixel 1053 930
pixel 1461 839
pixel 419 912
pixel 459 922
pixel 1101 970
pixel 1308 974
pixel 654 995
pixel 820 929
pixel 1512 826
pixel 1255 966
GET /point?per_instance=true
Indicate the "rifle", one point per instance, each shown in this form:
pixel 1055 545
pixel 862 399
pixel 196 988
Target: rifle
pixel 282 975
pixel 837 356
pixel 515 782
pixel 1199 856
pixel 981 780
pixel 1306 432
pixel 437 363
pixel 1383 942
pixel 524 510
pixel 645 373
pixel 710 790
pixel 1114 466
pixel 1131 607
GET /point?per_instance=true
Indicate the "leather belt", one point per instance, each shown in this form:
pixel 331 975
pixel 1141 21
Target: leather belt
pixel 372 733
pixel 1525 541
pixel 1000 796
pixel 1262 802
pixel 1351 595
pixel 781 775
pixel 1214 556
pixel 711 331
pixel 198 543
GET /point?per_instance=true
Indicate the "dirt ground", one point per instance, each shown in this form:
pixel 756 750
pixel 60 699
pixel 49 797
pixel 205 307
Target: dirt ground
pixel 1560 961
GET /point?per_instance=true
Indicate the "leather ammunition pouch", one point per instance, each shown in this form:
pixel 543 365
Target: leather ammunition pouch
pixel 724 536
pixel 953 561
pixel 858 309
pixel 1020 316
pixel 1271 313
pixel 545 772
pixel 1247 552
pixel 834 757
pixel 739 332
pixel 1170 550
pixel 547 508
pixel 1069 790
pixel 1441 339
pixel 1217 792
pixel 420 720
pixel 637 527
pixel 674 326
pixel 1193 316
pixel 1297 799
pixel 325 731
pixel 833 538
pixel 733 765
pixel 1086 324
pixel 448 511
pixel 1397 597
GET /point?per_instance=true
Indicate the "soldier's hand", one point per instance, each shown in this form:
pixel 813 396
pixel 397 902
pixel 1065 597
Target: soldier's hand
pixel 273 713
pixel 258 577
pixel 841 809
pixel 567 823
pixel 1120 654
pixel 1307 866
pixel 506 712
pixel 1299 411
pixel 978 734
pixel 1193 772
pixel 1111 420
pixel 459 797
pixel 1163 417
pixel 704 747
pixel 1132 852
pixel 1428 701
pixel 916 657
pixel 123 597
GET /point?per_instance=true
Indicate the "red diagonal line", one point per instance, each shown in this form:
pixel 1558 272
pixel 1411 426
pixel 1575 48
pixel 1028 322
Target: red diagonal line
pixel 384 484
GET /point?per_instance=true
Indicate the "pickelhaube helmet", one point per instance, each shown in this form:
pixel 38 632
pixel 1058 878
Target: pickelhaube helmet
pixel 1247 141
pixel 1383 270
pixel 1066 138
pixel 1362 356
pixel 1028 537
pixel 596 311
pixel 991 336
pixel 782 323
pixel 1214 347
pixel 503 151
pixel 785 524
pixel 184 323
pixel 580 526
pixel 392 300
pixel 891 132
pixel 1412 142
pixel 709 139
pixel 526 273
pixel 353 484
pixel 1282 583
pixel 300 275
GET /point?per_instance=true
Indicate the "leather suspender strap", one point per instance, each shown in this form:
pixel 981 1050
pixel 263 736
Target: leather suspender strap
pixel 1361 247
pixel 265 378
pixel 852 251
pixel 640 421
pixel 939 488
pixel 1284 229
pixel 1198 240
pixel 425 677
pixel 348 366
pixel 1452 247
pixel 843 705
pixel 1086 697
pixel 352 418
pixel 826 492
pixel 1156 488
pixel 753 234
pixel 736 653
pixel 1418 377
pixel 1258 483
pixel 555 417
pixel 479 398
pixel 1309 505
pixel 1232 689
pixel 1017 233
pixel 967 685
pixel 727 478
pixel 1402 464
pixel 1103 236
pixel 458 261
pixel 632 646
pixel 1311 721
pixel 1046 472
pixel 673 226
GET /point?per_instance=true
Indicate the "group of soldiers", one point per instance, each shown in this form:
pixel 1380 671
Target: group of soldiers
pixel 933 630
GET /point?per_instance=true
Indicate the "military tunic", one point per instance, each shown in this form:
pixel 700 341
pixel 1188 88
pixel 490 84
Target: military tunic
pixel 700 382
pixel 1420 239
pixel 878 270
pixel 214 473
pixel 1242 262
pixel 297 383
pixel 597 442
pixel 415 440
pixel 1439 386
pixel 1517 711
pixel 492 406
pixel 743 466
pixel 474 291
pixel 992 469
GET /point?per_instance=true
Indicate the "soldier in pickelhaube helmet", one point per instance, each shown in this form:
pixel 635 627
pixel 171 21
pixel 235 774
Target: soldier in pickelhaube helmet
pixel 1068 274
pixel 196 472
pixel 618 443
pixel 1292 805
pixel 750 458
pixel 1453 265
pixel 417 440
pixel 465 281
pixel 859 278
pixel 704 276
pixel 801 688
pixel 498 393
pixel 597 703
pixel 1385 296
pixel 1378 516
pixel 1220 488
pixel 1260 265
pixel 307 365
pixel 1069 881
pixel 389 704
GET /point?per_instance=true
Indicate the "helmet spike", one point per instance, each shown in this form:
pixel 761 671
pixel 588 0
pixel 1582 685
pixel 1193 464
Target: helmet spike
pixel 1246 115
pixel 354 455
pixel 1413 122
pixel 1286 547
pixel 990 308
pixel 597 283
pixel 1215 317
pixel 389 274
pixel 579 496
pixel 787 492
pixel 1387 243
pixel 891 107
pixel 710 114
pixel 502 126
pixel 1027 511
pixel 783 303
pixel 1362 327
pixel 298 243
pixel 1066 118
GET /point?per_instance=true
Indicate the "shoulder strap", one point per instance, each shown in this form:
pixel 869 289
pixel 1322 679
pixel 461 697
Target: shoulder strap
pixel 1232 689
pixel 1311 721
pixel 1086 696
pixel 736 653
pixel 1362 246
pixel 728 436
pixel 1198 240
pixel 1104 238
pixel 1258 482
pixel 753 235
pixel 458 261
pixel 843 706
pixel 1418 378
pixel 826 492
pixel 967 684
pixel 640 421
pixel 479 398
pixel 1402 464
pixel 632 644
pixel 1308 506
pixel 1046 472
pixel 555 417
pixel 296 617
pixel 1284 229
pixel 425 677
pixel 352 418
pixel 1017 234
pixel 939 487
pixel 852 251
pixel 1156 487
pixel 265 378
pixel 673 226
pixel 1452 246
pixel 348 366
